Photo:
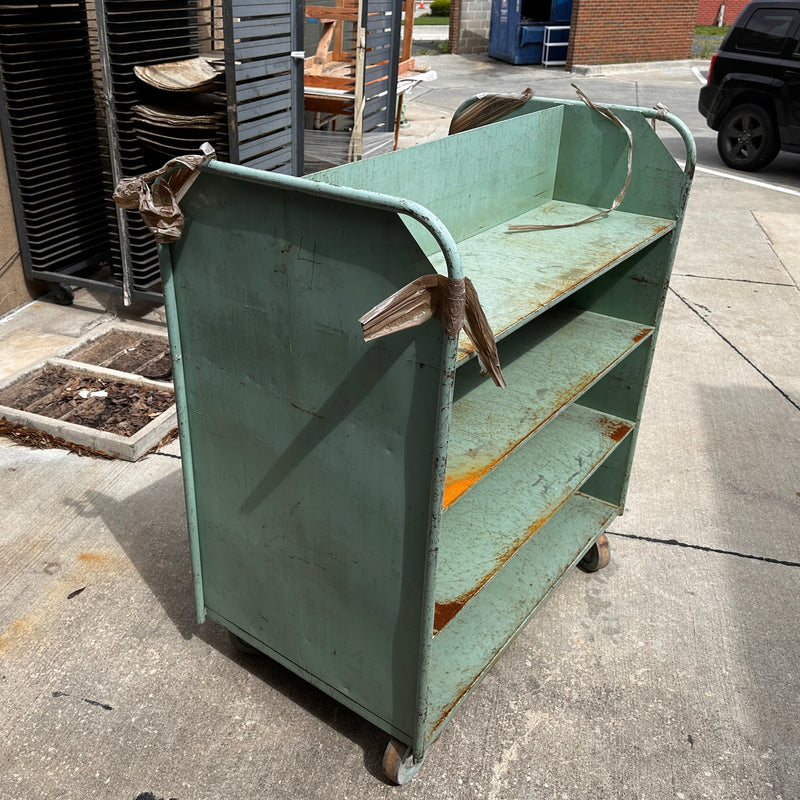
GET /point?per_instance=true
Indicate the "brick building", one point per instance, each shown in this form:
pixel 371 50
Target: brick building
pixel 708 11
pixel 601 31
pixel 623 31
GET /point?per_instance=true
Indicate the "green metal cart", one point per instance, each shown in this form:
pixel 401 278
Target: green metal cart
pixel 378 517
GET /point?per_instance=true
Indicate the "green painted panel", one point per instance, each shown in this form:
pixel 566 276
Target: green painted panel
pixel 592 163
pixel 635 290
pixel 457 181
pixel 547 364
pixel 469 645
pixel 620 392
pixel 312 451
pixel 518 275
pixel 490 522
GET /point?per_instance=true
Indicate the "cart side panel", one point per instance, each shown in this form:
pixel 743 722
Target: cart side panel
pixel 592 160
pixel 472 180
pixel 312 451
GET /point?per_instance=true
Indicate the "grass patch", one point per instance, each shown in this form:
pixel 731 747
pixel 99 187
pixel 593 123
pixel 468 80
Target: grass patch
pixel 710 30
pixel 428 20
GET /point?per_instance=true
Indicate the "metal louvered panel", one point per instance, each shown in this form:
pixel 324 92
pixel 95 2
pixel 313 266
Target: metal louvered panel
pixel 76 117
pixel 383 24
pixel 265 126
pixel 48 122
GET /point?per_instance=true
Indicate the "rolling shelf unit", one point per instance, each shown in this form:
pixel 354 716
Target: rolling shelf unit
pixel 378 517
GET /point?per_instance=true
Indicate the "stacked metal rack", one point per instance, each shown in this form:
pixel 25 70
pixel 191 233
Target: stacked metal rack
pixel 48 119
pixel 76 118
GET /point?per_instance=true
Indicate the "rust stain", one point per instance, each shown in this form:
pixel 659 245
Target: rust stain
pixel 456 485
pixel 617 429
pixel 18 631
pixel 448 709
pixel 643 334
pixel 26 628
pixel 96 559
pixel 444 612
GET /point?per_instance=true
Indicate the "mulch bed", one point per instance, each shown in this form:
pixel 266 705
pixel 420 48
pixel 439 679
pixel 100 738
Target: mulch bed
pixel 129 351
pixel 113 406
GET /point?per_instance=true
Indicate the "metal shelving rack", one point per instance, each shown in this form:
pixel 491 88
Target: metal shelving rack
pixel 68 103
pixel 377 516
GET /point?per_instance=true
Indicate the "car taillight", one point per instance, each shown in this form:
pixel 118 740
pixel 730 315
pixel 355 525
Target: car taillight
pixel 711 67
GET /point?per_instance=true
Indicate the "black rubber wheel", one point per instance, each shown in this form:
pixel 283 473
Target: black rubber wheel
pixel 748 137
pixel 244 647
pixel 597 556
pixel 61 294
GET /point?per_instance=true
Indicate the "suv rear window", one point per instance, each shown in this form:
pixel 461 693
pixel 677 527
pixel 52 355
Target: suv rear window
pixel 767 29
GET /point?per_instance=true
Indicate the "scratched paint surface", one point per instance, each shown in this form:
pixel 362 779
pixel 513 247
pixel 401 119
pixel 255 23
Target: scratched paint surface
pixel 482 530
pixel 312 450
pixel 476 636
pixel 546 366
pixel 468 193
pixel 314 453
pixel 537 268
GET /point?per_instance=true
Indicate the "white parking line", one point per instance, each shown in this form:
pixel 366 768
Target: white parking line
pixel 762 184
pixel 699 75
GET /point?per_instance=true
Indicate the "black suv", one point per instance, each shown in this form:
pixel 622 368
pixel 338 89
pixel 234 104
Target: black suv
pixel 752 97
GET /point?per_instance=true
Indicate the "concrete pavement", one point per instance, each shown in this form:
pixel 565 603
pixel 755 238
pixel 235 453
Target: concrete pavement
pixel 673 673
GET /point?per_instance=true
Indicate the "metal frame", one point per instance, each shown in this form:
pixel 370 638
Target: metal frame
pixel 657 198
pixel 547 45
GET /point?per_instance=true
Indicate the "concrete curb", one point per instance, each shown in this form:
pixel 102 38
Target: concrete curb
pixel 592 70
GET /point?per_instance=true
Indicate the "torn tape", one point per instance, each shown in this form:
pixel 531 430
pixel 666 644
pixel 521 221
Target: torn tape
pixel 159 205
pixel 453 301
pixel 611 117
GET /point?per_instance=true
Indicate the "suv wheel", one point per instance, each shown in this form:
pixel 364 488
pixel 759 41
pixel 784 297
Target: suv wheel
pixel 748 137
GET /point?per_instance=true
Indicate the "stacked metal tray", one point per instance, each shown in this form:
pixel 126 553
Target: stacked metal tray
pixel 139 33
pixel 50 132
pixel 76 117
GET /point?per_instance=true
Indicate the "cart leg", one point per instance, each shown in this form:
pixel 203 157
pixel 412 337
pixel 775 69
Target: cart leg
pixel 398 762
pixel 597 556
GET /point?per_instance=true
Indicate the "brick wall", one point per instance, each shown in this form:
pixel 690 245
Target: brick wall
pixel 708 11
pixel 622 31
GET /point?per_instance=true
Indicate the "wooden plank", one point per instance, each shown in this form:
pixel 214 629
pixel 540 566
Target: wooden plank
pixel 326 13
pixel 330 82
pixel 547 364
pixel 491 522
pixel 408 32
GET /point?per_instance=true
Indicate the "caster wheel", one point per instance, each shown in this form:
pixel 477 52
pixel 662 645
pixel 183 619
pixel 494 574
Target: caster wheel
pixel 398 762
pixel 62 295
pixel 242 646
pixel 597 556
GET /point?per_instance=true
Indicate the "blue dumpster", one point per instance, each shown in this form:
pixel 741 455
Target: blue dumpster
pixel 517 28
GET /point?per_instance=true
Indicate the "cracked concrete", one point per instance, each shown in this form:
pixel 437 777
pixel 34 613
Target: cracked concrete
pixel 673 673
